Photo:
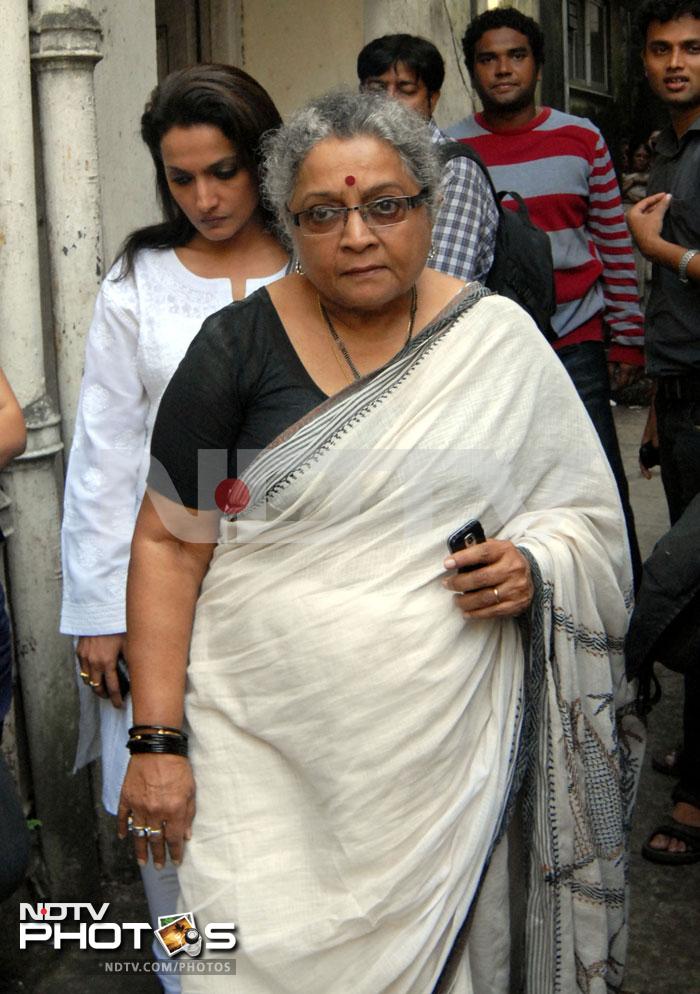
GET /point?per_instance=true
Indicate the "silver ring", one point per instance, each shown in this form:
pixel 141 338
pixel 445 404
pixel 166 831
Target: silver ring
pixel 141 831
pixel 495 591
pixel 138 830
pixel 94 683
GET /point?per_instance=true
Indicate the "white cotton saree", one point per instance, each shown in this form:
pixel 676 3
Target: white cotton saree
pixel 356 743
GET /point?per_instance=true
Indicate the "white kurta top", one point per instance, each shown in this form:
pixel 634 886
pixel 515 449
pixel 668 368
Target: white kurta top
pixel 141 329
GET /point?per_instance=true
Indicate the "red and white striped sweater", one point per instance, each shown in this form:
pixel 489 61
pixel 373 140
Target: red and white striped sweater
pixel 561 167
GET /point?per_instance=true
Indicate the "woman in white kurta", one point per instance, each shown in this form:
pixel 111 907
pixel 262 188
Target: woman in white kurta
pixel 203 126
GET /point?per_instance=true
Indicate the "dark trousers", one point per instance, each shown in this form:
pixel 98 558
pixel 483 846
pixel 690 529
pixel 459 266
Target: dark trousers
pixel 14 837
pixel 587 366
pixel 679 444
pixel 5 661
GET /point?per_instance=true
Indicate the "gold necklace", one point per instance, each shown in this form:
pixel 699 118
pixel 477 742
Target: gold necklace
pixel 341 344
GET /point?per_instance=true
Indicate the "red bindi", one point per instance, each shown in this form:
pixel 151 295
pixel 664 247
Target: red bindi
pixel 350 180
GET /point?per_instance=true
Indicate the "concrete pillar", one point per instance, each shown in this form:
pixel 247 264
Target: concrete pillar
pixel 62 802
pixel 225 31
pixel 123 81
pixel 65 47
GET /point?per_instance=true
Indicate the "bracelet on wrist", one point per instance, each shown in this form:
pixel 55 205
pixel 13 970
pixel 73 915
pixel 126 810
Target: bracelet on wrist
pixel 159 744
pixel 683 264
pixel 158 729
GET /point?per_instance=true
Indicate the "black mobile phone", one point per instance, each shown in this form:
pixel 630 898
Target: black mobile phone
pixel 470 533
pixel 123 676
pixel 649 455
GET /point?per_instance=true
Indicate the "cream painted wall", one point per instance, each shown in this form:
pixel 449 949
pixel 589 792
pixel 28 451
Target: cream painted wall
pixel 298 50
pixel 123 80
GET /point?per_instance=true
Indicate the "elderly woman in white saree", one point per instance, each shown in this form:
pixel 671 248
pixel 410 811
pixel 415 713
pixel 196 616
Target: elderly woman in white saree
pixel 360 716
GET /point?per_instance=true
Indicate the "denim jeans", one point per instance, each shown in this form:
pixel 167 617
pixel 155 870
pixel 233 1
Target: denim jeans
pixel 587 366
pixel 679 444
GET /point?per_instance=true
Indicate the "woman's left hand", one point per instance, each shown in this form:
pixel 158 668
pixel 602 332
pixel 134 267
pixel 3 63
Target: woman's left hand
pixel 501 585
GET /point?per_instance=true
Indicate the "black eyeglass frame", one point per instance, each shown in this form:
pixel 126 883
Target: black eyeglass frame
pixel 416 200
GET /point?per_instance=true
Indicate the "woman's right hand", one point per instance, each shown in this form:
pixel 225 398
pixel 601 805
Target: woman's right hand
pixel 97 655
pixel 159 794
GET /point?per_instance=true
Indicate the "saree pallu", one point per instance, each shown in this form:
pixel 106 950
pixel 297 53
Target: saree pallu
pixel 355 741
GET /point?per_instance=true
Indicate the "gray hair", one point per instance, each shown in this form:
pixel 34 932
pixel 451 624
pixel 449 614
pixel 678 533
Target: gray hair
pixel 346 114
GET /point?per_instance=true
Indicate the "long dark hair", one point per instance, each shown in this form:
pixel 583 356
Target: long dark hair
pixel 209 93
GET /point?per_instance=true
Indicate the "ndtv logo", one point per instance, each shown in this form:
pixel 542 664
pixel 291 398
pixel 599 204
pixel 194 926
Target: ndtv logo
pixel 60 923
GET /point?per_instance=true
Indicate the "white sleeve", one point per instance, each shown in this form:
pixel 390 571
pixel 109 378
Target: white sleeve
pixel 102 483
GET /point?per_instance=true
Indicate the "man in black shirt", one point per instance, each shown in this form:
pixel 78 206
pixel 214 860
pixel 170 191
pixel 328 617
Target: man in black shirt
pixel 666 227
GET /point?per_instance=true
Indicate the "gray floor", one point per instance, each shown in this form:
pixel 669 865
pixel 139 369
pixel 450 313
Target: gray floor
pixel 664 954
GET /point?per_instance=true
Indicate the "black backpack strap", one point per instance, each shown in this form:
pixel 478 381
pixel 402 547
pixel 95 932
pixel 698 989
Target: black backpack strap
pixel 459 150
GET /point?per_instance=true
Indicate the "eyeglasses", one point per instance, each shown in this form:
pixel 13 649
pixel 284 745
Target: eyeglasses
pixel 382 213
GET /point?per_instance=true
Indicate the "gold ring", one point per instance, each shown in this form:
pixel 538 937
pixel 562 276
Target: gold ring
pixel 84 676
pixel 495 593
pixel 93 683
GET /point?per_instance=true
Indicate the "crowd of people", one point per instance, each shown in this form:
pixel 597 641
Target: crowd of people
pixel 309 711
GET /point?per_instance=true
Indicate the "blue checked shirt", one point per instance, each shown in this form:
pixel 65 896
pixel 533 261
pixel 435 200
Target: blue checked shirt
pixel 465 228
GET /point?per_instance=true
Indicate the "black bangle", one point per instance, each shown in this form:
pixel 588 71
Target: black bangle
pixel 159 744
pixel 157 729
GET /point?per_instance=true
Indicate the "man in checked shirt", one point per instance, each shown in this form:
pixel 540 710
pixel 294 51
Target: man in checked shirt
pixel 411 70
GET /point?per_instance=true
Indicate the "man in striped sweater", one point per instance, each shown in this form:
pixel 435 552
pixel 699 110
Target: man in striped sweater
pixel 561 166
